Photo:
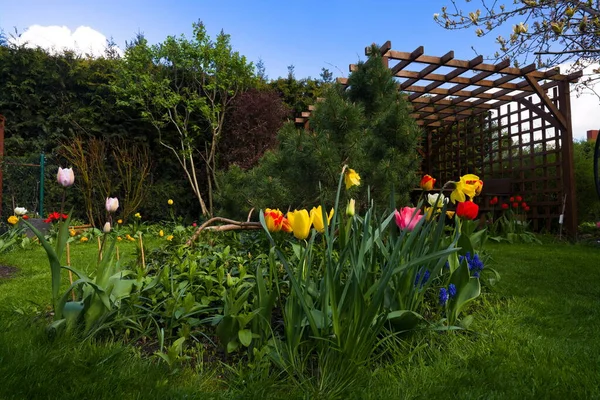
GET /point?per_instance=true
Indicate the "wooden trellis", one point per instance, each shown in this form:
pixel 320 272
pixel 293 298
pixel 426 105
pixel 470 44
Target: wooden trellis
pixel 494 120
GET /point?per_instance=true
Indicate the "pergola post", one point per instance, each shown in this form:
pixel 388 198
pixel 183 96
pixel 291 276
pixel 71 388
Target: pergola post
pixel 570 216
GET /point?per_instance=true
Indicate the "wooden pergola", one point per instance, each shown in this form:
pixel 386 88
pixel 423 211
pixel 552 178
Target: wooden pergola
pixel 495 120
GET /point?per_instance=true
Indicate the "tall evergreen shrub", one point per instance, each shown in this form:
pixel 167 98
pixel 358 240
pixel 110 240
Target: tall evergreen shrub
pixel 366 125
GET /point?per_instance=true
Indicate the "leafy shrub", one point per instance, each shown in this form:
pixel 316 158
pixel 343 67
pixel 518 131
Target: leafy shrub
pixel 251 127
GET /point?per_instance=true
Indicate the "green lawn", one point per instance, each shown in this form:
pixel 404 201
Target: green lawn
pixel 534 336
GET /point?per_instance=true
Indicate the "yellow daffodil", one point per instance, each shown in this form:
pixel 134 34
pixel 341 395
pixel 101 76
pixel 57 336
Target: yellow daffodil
pixel 316 214
pixel 161 233
pixel 119 238
pixel 300 222
pixel 466 186
pixel 170 237
pixel 351 178
pixel 13 219
pixel 170 202
pixel 72 232
pixel 137 215
pixel 119 221
pixel 83 239
pixel 450 214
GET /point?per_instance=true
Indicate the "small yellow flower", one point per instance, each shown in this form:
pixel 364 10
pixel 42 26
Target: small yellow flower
pixel 83 239
pixel 161 233
pixel 170 237
pixel 450 214
pixel 137 215
pixel 170 202
pixel 119 238
pixel 13 219
pixel 119 221
pixel 72 232
pixel 351 178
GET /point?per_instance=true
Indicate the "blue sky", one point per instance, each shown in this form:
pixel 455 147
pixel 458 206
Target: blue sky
pixel 309 34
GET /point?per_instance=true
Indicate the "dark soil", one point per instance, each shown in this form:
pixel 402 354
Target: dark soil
pixel 7 272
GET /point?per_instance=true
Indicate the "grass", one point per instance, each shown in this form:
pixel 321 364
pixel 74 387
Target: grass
pixel 534 336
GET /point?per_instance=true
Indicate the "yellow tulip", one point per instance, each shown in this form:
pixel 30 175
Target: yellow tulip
pixel 161 233
pixel 316 214
pixel 83 239
pixel 170 202
pixel 300 222
pixel 170 237
pixel 351 178
pixel 72 232
pixel 13 220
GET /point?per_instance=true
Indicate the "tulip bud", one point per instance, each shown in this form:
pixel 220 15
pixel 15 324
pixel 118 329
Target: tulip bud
pixel 350 208
pixel 65 177
pixel 112 203
pixel 106 228
pixel 170 202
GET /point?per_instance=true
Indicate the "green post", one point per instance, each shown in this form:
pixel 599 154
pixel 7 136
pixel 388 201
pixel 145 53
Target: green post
pixel 42 162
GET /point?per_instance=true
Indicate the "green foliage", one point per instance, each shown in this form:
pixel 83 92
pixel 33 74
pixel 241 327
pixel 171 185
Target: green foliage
pixel 367 126
pixel 186 85
pixel 588 203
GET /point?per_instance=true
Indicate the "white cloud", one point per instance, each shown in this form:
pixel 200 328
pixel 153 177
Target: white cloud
pixel 585 108
pixel 84 40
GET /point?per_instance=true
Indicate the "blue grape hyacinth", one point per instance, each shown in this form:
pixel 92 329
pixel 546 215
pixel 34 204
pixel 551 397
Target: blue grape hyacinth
pixel 452 290
pixel 443 296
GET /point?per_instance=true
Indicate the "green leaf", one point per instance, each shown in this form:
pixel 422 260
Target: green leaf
pixel 245 336
pixel 404 320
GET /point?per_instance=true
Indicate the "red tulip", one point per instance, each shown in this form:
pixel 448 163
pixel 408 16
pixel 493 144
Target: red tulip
pixel 427 182
pixel 494 201
pixel 515 205
pixel 527 209
pixel 523 204
pixel 467 209
pixel 505 206
pixel 512 199
pixel 518 198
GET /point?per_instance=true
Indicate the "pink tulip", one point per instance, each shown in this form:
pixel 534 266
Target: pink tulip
pixel 598 224
pixel 65 177
pixel 408 217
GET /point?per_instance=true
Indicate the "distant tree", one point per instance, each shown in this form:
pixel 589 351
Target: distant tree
pixel 326 75
pixel 551 32
pixel 261 72
pixel 188 85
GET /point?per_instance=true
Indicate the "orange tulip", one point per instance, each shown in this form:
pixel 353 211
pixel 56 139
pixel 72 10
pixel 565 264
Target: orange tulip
pixel 427 182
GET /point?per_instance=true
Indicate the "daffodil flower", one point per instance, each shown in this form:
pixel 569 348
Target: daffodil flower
pixel 466 186
pixel 351 178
